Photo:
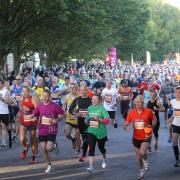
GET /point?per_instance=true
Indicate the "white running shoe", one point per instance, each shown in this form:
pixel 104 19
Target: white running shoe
pixel 90 170
pixel 49 169
pixel 141 174
pixel 146 165
pixel 3 144
pixel 104 164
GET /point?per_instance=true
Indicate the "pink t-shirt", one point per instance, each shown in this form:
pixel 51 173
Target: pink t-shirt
pixel 51 110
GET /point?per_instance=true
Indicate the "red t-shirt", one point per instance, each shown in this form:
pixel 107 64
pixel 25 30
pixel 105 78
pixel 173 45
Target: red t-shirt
pixel 144 85
pixel 140 121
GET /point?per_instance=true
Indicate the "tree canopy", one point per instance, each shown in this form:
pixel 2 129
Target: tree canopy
pixel 85 29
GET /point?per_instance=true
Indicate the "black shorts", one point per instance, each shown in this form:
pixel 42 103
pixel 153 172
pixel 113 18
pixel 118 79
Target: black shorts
pixel 49 137
pixel 4 118
pixel 176 129
pixel 112 114
pixel 73 125
pixel 137 143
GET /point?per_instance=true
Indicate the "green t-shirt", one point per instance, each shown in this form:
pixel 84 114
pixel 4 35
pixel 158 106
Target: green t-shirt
pixel 100 112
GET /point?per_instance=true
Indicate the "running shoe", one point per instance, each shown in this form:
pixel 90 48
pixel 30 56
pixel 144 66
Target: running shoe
pixel 82 159
pixel 141 174
pixel 24 154
pixel 56 148
pixel 146 165
pixel 90 170
pixel 3 144
pixel 14 139
pixel 177 164
pixel 49 169
pixel 78 153
pixel 33 161
pixel 104 164
pixel 115 124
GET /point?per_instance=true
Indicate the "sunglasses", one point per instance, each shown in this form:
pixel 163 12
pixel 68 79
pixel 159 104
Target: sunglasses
pixel 18 79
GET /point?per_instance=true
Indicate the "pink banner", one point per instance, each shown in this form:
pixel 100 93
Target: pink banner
pixel 112 56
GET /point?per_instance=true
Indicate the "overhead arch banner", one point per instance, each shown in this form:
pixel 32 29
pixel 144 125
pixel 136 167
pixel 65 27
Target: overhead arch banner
pixel 112 56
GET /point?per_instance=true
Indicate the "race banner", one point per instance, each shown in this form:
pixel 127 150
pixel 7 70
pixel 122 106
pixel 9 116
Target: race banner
pixel 112 56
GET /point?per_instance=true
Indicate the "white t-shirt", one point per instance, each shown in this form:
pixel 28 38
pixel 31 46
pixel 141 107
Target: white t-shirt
pixel 110 96
pixel 3 106
pixel 176 112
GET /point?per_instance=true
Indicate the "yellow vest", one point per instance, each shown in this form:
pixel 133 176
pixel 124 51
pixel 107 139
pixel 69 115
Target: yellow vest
pixel 71 119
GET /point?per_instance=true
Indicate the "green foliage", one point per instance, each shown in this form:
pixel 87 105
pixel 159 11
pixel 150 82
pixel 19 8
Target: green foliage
pixel 65 29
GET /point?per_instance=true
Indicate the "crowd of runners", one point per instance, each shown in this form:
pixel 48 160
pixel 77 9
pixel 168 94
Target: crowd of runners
pixel 86 96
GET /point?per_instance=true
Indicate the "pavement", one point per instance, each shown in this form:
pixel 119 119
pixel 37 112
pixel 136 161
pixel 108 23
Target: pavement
pixel 122 164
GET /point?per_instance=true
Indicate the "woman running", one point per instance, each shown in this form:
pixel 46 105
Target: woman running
pixel 27 105
pixel 141 118
pixel 97 120
pixel 156 106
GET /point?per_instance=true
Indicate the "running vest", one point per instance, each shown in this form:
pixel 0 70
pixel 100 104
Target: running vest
pixel 24 115
pixel 70 119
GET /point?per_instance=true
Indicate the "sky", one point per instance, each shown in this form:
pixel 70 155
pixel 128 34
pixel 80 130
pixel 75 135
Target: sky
pixel 174 2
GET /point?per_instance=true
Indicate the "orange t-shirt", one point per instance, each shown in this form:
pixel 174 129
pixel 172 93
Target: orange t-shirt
pixel 140 121
pixel 125 92
pixel 178 77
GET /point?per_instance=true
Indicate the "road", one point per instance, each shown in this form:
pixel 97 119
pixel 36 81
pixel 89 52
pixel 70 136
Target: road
pixel 122 164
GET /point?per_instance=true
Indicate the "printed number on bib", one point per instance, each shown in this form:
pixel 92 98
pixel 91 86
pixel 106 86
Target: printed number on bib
pixel 27 118
pixel 46 121
pixel 177 112
pixel 83 113
pixel 94 124
pixel 139 124
pixel 108 98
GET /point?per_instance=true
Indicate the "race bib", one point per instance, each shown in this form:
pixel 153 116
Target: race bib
pixel 94 124
pixel 83 113
pixel 134 89
pixel 125 97
pixel 108 98
pixel 46 121
pixel 139 124
pixel 18 97
pixel 72 117
pixel 27 118
pixel 177 113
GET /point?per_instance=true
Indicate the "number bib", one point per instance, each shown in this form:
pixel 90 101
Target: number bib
pixel 139 125
pixel 45 120
pixel 94 124
pixel 27 118
pixel 72 117
pixel 177 113
pixel 83 113
pixel 108 98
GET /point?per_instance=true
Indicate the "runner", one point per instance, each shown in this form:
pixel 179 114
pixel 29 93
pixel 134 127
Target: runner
pixel 79 108
pixel 175 119
pixel 27 105
pixel 141 118
pixel 125 98
pixel 97 120
pixel 49 114
pixel 71 120
pixel 110 96
pixel 4 113
pixel 156 106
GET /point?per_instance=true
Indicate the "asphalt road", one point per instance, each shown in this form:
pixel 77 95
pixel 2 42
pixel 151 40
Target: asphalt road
pixel 122 164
